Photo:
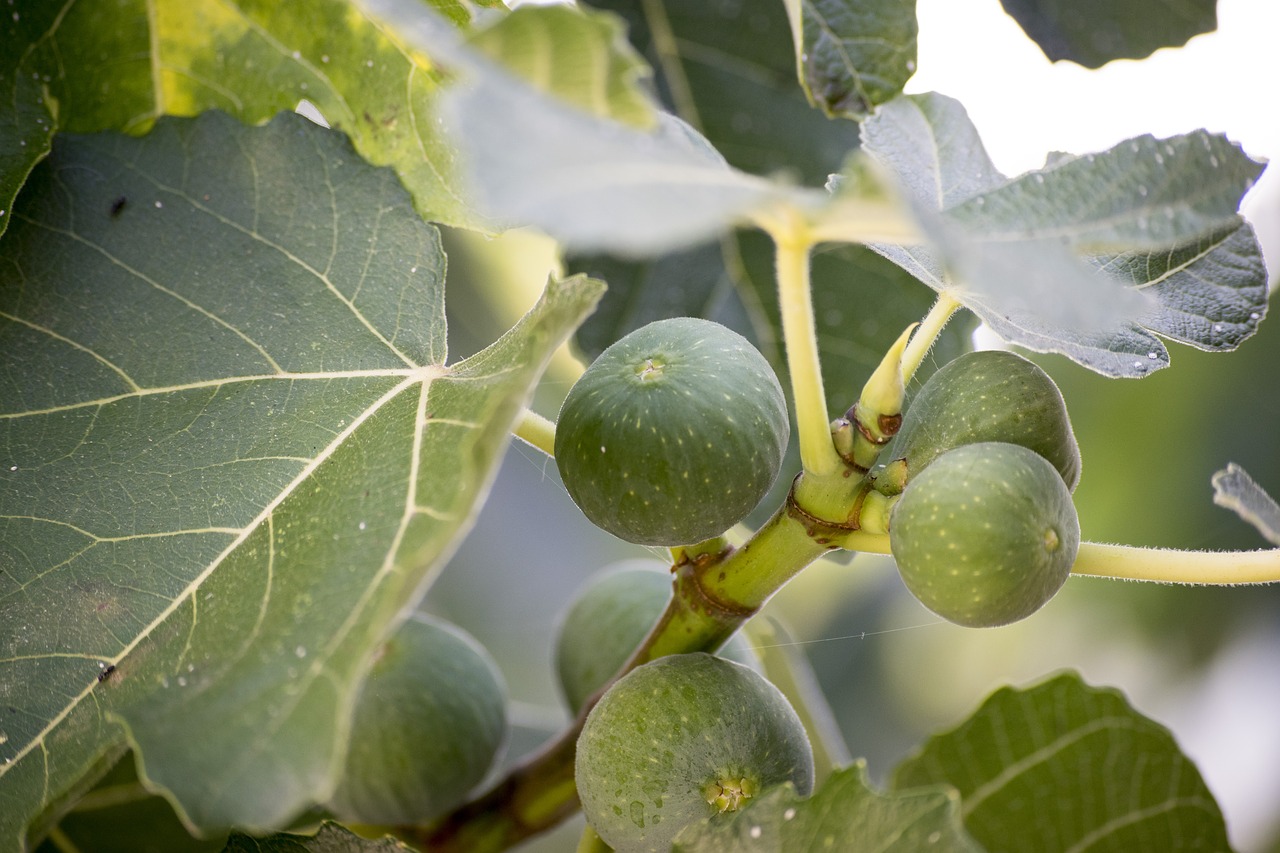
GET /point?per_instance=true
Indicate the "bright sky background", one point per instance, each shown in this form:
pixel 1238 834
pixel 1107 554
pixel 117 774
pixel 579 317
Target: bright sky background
pixel 1025 107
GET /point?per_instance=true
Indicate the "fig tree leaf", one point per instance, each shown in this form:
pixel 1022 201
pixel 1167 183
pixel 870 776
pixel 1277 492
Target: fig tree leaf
pixel 28 122
pixel 1064 766
pixel 119 815
pixel 580 56
pixel 729 70
pixel 1234 489
pixel 842 809
pixel 852 55
pixel 594 185
pixel 1094 32
pixel 1089 256
pixel 329 838
pixel 232 453
pixel 119 64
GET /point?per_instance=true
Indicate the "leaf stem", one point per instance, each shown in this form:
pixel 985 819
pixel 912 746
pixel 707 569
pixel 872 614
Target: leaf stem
pixel 795 301
pixel 1169 565
pixel 534 429
pixel 944 307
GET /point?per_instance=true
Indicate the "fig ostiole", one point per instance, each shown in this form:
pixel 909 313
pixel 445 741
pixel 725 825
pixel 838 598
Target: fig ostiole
pixel 429 722
pixel 608 619
pixel 673 434
pixel 991 395
pixel 986 534
pixel 681 739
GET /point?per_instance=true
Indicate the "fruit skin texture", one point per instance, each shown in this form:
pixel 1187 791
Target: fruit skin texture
pixel 673 734
pixel 673 434
pixel 989 395
pixel 986 534
pixel 608 618
pixel 428 724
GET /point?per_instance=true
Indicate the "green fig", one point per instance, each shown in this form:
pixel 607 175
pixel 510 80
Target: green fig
pixel 682 739
pixel 986 534
pixel 608 618
pixel 673 434
pixel 428 724
pixel 990 395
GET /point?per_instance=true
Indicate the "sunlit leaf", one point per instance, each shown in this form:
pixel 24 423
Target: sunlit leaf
pixel 1234 489
pixel 1094 32
pixel 578 56
pixel 232 455
pixel 853 55
pixel 1063 766
pixel 119 64
pixel 843 811
pixel 1088 256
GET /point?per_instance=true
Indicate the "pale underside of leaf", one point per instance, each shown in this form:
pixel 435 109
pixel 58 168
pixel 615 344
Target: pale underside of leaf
pixel 1234 489
pixel 233 454
pixel 1036 257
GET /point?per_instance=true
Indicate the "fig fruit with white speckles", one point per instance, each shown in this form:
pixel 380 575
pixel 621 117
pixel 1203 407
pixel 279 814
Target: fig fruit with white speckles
pixel 673 434
pixel 429 723
pixel 684 738
pixel 985 535
pixel 988 396
pixel 608 618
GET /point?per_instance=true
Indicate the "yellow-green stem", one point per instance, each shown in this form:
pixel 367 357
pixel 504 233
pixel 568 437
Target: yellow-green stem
pixel 927 334
pixel 1167 565
pixel 813 425
pixel 536 430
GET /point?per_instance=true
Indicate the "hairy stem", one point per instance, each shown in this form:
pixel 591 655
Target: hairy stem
pixel 536 430
pixel 813 425
pixel 1168 565
pixel 927 334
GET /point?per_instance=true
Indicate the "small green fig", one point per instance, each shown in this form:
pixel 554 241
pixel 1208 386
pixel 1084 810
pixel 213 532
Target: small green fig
pixel 985 535
pixel 673 434
pixel 608 618
pixel 990 395
pixel 683 739
pixel 428 724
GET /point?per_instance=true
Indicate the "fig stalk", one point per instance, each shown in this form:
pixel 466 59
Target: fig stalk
pixel 793 244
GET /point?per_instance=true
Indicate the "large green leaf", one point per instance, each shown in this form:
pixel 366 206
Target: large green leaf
pixel 1094 32
pixel 232 456
pixel 844 813
pixel 1089 255
pixel 119 64
pixel 1064 766
pixel 729 69
pixel 853 55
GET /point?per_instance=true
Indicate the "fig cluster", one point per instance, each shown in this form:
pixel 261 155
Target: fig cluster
pixel 984 530
pixel 673 434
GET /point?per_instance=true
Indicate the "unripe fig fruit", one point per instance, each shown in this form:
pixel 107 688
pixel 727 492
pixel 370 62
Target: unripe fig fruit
pixel 988 396
pixel 428 724
pixel 682 739
pixel 607 620
pixel 986 534
pixel 673 434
